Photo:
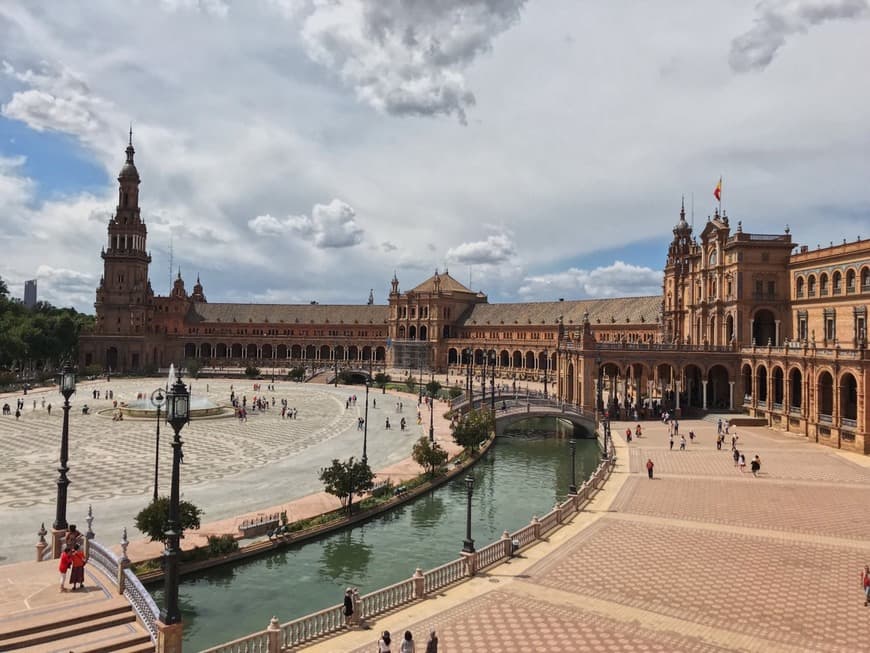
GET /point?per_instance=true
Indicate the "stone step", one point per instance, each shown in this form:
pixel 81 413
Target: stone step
pixel 18 626
pixel 63 629
pixel 139 642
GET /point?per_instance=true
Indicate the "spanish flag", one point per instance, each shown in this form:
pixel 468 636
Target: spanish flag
pixel 717 192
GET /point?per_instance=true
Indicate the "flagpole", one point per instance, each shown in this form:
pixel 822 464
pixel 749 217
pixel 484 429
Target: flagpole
pixel 721 190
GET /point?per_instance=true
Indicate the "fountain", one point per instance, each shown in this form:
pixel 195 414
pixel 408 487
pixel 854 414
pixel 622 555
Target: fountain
pixel 199 406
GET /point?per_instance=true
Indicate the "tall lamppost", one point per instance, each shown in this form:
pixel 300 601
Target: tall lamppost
pixel 468 387
pixel 432 415
pixel 335 378
pixel 177 414
pixel 572 489
pixel 67 382
pixel 365 457
pixel 599 404
pixel 157 400
pixel 546 366
pixel 420 381
pixel 468 544
pixel 483 379
pixel 492 382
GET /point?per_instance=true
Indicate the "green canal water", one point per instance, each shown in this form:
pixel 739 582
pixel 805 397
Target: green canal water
pixel 519 477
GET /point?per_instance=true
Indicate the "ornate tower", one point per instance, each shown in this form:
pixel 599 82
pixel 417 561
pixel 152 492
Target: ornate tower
pixel 124 297
pixel 678 269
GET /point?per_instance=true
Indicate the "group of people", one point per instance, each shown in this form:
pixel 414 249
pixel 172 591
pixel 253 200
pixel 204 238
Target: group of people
pixel 19 407
pixel 72 559
pixel 385 641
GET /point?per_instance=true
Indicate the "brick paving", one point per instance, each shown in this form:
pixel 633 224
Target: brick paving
pixel 703 558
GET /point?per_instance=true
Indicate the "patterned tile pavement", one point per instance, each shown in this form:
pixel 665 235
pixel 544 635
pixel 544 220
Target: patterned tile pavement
pixel 755 585
pixel 702 558
pixel 503 622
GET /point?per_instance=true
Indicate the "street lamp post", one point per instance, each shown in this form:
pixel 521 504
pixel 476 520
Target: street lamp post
pixel 572 489
pixel 177 414
pixel 420 382
pixel 492 383
pixel 365 457
pixel 157 400
pixel 599 405
pixel 335 378
pixel 546 366
pixel 468 544
pixel 67 382
pixel 469 389
pixel 431 417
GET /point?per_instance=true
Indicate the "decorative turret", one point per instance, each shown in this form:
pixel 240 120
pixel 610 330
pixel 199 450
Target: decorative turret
pixel 371 301
pixel 197 295
pixel 178 291
pixel 394 284
pixel 436 280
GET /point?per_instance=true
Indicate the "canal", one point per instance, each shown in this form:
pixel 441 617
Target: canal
pixel 523 474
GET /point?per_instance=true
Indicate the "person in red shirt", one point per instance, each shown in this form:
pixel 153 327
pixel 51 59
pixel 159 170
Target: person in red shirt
pixel 77 575
pixel 649 467
pixel 64 564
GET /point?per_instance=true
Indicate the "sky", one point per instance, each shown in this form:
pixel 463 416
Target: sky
pixel 305 150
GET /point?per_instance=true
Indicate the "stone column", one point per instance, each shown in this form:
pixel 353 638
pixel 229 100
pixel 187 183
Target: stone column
pixel 506 543
pixel 274 633
pixel 776 339
pixel 752 332
pixel 704 393
pixel 169 637
pixel 470 562
pixel 419 583
pixel 731 395
pixel 42 545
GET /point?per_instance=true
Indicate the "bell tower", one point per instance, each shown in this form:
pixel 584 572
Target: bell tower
pixel 124 296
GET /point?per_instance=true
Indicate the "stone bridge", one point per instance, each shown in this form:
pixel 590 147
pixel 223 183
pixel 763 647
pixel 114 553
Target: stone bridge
pixel 511 408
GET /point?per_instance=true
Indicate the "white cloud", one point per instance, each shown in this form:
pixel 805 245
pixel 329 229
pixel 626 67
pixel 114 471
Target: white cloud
pixel 497 248
pixel 407 57
pixel 329 226
pixel 56 99
pixel 616 280
pixel 216 8
pixel 779 19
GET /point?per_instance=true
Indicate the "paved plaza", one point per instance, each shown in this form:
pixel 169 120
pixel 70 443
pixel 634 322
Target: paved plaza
pixel 230 468
pixel 702 558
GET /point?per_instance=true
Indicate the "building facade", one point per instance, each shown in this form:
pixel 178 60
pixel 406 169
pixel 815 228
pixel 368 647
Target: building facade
pixel 30 298
pixel 743 323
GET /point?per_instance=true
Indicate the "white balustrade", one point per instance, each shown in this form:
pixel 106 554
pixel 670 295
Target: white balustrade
pixel 258 643
pixel 490 554
pixel 311 626
pixel 387 598
pixel 444 575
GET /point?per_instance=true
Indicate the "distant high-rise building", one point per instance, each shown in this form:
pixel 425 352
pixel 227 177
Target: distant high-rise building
pixel 30 293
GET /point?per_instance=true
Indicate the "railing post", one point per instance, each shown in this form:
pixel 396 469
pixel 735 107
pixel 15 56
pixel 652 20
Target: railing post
pixel 41 545
pixel 123 562
pixel 470 562
pixel 274 632
pixel 558 510
pixel 506 544
pixel 536 527
pixel 419 584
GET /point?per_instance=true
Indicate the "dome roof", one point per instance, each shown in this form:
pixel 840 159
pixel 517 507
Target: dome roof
pixel 129 170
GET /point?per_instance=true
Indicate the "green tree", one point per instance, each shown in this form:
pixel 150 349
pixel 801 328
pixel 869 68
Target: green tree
pixel 433 388
pixel 345 478
pixel 152 519
pixel 252 372
pixel 473 428
pixel 455 391
pixel 381 380
pixel 193 366
pixel 430 456
pixel 411 383
pixel 296 373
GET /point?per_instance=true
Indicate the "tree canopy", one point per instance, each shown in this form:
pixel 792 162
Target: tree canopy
pixel 43 333
pixel 344 478
pixel 152 519
pixel 473 428
pixel 429 455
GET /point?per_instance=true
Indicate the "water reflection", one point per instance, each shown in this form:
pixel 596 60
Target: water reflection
pixel 519 477
pixel 345 556
pixel 427 511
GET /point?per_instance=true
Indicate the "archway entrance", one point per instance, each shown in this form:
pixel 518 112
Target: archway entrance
pixel 718 389
pixel 763 328
pixel 796 383
pixel 826 396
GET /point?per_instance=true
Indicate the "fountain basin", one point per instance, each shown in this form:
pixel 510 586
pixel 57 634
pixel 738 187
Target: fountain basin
pixel 199 407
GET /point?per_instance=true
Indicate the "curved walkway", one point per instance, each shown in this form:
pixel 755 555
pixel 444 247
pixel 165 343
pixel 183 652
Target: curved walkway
pixel 703 558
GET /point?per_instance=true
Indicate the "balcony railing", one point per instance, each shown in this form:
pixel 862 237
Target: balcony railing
pixel 850 423
pixel 811 293
pixel 826 419
pixel 823 292
pixel 777 406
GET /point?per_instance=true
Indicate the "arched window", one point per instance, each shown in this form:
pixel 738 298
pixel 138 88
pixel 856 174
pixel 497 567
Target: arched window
pixel 837 282
pixel 799 287
pixel 811 286
pixel 823 284
pixel 713 258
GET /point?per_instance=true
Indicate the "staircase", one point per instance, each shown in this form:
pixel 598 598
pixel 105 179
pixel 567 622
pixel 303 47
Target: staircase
pixel 94 627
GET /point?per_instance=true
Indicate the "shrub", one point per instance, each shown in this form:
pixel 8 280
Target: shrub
pixel 222 544
pixel 455 391
pixel 252 372
pixel 152 519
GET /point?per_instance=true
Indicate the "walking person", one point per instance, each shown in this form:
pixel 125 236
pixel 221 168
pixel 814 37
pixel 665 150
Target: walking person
pixel 384 642
pixel 682 443
pixel 649 467
pixel 742 463
pixel 865 583
pixel 408 643
pixel 432 644
pixel 735 454
pixel 755 465
pixel 671 440
pixel 348 606
pixel 77 575
pixel 66 562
